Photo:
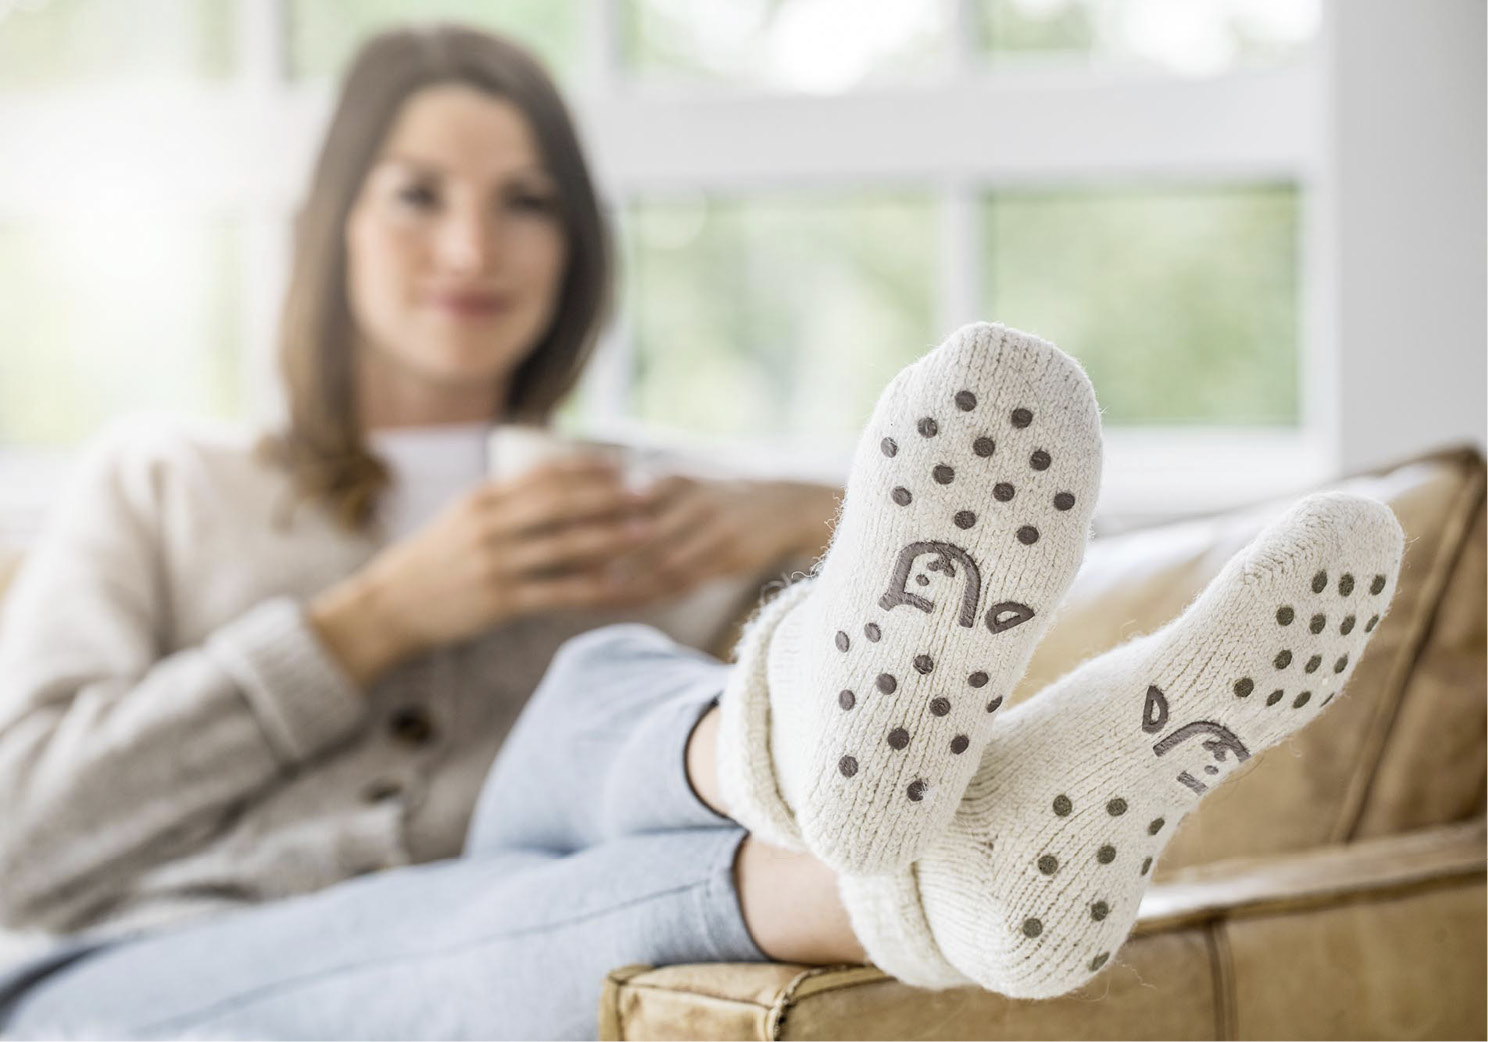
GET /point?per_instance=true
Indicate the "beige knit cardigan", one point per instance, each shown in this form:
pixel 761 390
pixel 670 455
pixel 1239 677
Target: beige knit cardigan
pixel 174 742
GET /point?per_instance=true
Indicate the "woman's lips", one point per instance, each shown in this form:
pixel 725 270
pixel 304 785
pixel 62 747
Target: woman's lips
pixel 471 305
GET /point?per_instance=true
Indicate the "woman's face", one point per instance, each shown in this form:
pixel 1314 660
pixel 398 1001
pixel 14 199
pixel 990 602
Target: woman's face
pixel 455 252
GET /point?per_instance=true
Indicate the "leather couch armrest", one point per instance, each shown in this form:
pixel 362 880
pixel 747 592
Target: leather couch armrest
pixel 1381 938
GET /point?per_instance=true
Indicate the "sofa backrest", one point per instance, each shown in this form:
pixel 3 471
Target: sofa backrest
pixel 1403 749
pixel 1404 746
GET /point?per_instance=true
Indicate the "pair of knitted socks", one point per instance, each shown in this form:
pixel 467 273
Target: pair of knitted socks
pixel 863 721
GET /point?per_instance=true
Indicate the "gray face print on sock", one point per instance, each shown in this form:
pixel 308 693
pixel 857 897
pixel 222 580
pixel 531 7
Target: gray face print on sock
pixel 1004 615
pixel 1220 744
pixel 1223 742
pixel 1154 710
pixel 1197 750
pixel 951 466
pixel 906 579
pixel 944 559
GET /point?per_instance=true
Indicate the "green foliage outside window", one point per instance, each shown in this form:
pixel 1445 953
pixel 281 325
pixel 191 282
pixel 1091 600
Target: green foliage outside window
pixel 776 315
pixel 323 34
pixel 73 43
pixel 1182 305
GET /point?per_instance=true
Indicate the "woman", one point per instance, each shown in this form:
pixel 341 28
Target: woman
pixel 234 676
pixel 183 738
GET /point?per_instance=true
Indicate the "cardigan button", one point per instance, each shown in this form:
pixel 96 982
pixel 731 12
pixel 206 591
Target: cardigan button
pixel 412 724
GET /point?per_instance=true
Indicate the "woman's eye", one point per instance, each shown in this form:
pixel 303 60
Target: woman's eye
pixel 534 203
pixel 417 196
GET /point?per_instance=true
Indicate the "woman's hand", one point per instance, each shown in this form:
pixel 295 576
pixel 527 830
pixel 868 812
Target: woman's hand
pixel 536 543
pixel 704 528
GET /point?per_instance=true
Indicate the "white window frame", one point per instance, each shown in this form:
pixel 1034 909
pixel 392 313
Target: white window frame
pixel 246 148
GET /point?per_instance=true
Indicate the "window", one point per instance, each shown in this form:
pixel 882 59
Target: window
pixel 809 193
pixel 323 34
pixel 1174 35
pixel 802 306
pixel 91 335
pixel 1180 303
pixel 47 44
pixel 796 45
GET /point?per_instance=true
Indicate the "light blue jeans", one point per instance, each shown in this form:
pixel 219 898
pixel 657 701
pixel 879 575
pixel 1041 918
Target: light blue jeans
pixel 587 850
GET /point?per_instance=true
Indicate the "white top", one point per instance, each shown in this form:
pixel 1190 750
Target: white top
pixel 431 466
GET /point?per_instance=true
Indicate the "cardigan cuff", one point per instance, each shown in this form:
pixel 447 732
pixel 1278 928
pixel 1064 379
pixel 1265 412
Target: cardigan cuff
pixel 303 699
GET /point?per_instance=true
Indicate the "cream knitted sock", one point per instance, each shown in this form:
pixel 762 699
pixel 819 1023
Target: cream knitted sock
pixel 1036 882
pixel 863 699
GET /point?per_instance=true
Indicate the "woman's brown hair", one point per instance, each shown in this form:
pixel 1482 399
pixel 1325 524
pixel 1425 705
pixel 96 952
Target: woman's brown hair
pixel 323 444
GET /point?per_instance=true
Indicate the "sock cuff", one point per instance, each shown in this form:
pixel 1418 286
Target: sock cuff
pixel 746 773
pixel 889 922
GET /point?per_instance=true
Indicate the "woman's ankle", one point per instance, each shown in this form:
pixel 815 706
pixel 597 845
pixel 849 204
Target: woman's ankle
pixel 791 906
pixel 701 759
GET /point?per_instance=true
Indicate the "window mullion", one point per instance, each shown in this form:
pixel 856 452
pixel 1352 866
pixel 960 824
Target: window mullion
pixel 965 39
pixel 611 372
pixel 602 69
pixel 263 62
pixel 262 44
pixel 960 245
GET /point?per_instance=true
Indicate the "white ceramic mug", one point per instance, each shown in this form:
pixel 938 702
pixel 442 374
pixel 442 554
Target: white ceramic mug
pixel 512 449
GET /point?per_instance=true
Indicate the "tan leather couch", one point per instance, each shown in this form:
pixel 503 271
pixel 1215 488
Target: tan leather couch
pixel 1333 890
